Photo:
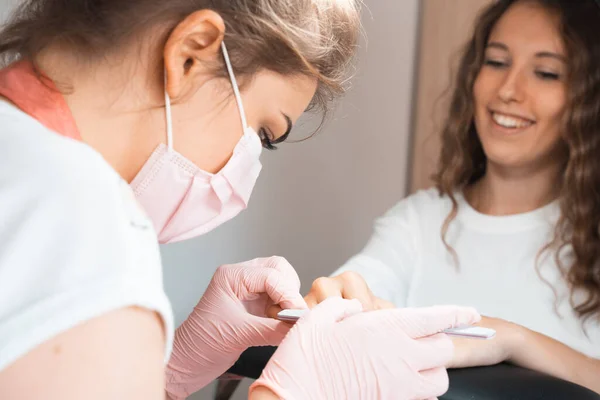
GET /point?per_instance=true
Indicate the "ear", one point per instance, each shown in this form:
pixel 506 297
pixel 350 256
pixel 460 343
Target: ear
pixel 194 44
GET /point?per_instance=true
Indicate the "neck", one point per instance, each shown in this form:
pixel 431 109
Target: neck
pixel 112 107
pixel 508 191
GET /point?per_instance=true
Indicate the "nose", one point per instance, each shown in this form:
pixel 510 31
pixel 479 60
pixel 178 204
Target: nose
pixel 513 87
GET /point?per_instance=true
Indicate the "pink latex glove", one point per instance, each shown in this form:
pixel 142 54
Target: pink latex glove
pixel 336 352
pixel 229 318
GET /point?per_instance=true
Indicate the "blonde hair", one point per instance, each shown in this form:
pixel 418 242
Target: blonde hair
pixel 316 38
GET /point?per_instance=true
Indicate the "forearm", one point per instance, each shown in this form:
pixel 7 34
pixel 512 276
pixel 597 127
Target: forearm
pixel 541 353
pixel 169 397
pixel 258 393
pixel 262 393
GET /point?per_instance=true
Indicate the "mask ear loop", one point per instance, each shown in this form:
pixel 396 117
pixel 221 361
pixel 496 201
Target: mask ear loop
pixel 168 116
pixel 236 92
pixel 234 84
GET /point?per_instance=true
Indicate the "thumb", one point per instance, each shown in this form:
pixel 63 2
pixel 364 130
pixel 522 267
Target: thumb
pixel 332 310
pixel 427 321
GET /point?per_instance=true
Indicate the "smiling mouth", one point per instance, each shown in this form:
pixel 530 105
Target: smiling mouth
pixel 510 121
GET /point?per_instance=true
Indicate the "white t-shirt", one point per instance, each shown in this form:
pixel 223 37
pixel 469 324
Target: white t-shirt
pixel 406 262
pixel 74 244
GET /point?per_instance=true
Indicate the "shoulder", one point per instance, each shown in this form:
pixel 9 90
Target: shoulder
pixel 34 156
pixel 41 170
pixel 73 242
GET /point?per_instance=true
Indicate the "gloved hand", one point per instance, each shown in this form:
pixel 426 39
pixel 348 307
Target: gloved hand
pixel 229 318
pixel 336 352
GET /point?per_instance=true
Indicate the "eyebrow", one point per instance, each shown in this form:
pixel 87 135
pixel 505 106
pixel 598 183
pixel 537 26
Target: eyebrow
pixel 542 54
pixel 547 54
pixel 284 137
pixel 497 45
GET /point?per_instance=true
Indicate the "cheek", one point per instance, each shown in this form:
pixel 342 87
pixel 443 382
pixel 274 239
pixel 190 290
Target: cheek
pixel 550 106
pixel 478 89
pixel 480 102
pixel 207 141
pixel 483 89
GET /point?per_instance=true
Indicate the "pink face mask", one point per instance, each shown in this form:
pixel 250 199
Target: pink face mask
pixel 184 201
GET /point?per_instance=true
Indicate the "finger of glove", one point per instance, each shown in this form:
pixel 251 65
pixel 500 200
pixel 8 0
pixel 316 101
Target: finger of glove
pixel 259 331
pixel 332 310
pixel 278 286
pixel 427 321
pixel 278 263
pixel 432 383
pixel 432 352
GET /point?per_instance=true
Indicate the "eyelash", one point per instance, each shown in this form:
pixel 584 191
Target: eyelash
pixel 266 140
pixel 547 76
pixel 495 64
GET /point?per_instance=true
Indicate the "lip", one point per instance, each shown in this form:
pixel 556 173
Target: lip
pixel 509 131
pixel 510 114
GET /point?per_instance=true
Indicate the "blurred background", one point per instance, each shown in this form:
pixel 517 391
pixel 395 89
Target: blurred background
pixel 315 201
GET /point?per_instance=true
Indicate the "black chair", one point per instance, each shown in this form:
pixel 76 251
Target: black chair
pixel 500 382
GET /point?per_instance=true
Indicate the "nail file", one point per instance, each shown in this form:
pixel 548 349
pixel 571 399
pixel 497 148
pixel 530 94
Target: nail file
pixel 473 332
pixel 290 315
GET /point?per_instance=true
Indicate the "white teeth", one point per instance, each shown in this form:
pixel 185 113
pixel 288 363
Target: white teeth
pixel 510 122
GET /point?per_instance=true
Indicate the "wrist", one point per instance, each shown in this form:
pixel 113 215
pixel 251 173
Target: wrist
pixel 515 341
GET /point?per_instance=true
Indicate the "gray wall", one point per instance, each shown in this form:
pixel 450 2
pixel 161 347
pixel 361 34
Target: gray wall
pixel 5 7
pixel 315 201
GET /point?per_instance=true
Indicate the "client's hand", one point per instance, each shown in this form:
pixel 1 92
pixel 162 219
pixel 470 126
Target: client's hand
pixel 348 285
pixel 479 352
pixel 338 352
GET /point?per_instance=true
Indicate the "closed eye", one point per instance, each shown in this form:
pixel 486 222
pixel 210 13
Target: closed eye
pixel 550 76
pixel 495 63
pixel 266 139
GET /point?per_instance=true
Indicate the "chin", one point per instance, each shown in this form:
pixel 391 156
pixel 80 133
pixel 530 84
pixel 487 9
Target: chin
pixel 507 155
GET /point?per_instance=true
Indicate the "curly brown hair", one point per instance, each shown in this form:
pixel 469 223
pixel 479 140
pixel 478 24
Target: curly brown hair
pixel 462 160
